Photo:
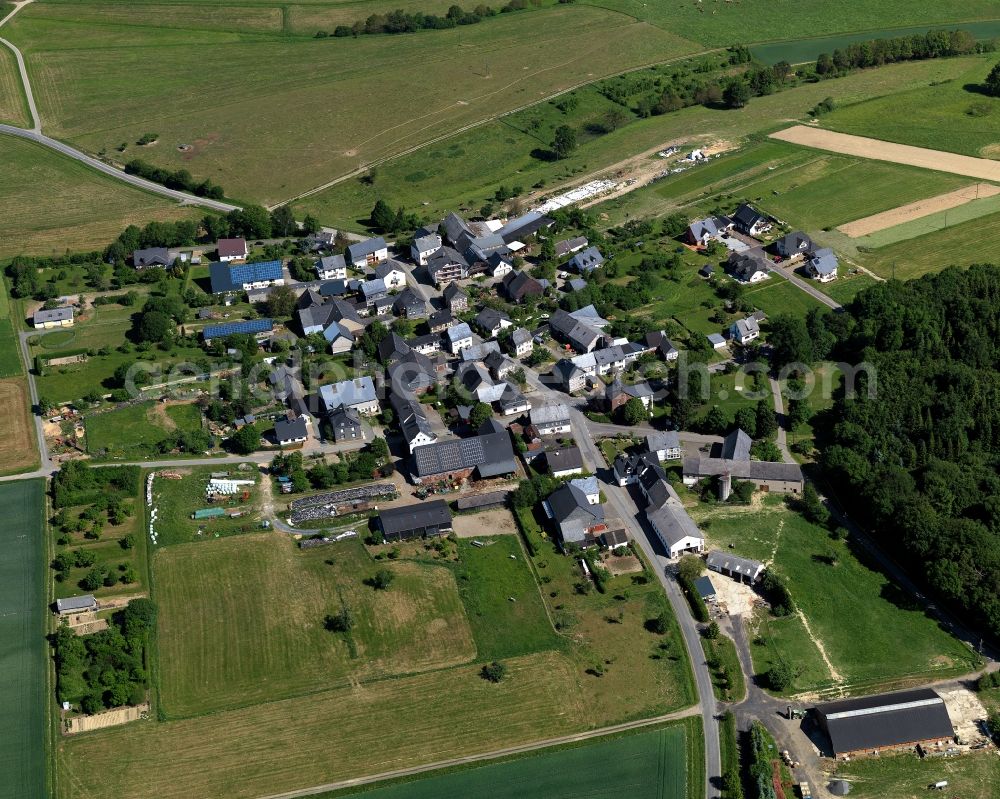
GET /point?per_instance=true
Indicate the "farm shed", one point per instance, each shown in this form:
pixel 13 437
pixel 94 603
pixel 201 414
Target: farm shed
pixel 886 721
pixel 76 604
pixel 415 521
pixel 743 569
pixel 491 499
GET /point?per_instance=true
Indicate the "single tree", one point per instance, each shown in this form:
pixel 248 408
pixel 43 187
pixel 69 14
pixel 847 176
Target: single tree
pixel 737 93
pixel 382 579
pixel 634 412
pixel 494 672
pixel 479 414
pixel 779 677
pixel 281 302
pixel 245 440
pixel 564 142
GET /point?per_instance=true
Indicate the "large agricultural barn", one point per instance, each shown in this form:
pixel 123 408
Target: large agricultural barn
pixel 887 721
pixel 415 521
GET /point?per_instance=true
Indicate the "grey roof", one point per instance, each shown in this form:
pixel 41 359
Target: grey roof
pixel 520 336
pixel 332 262
pixel 668 439
pixel 425 243
pixel 743 265
pixel 519 284
pixel 440 318
pixel 657 339
pixel 792 244
pixel 560 460
pixel 491 318
pixel 743 328
pixel 742 470
pixel 411 371
pixel 747 216
pixel 365 248
pixel 360 390
pixel 734 564
pixel 478 352
pixel 412 417
pixel 455 226
pixel 152 256
pixel 392 346
pixel 489 499
pixel 568 500
pixel 420 342
pixel 333 288
pixel 885 720
pixel 672 520
pixel 443 258
pixel 415 517
pixel 550 413
pixel 491 454
pixel 715 339
pixel 567 246
pixel 524 226
pixel 453 290
pixel 587 260
pixel 566 370
pixel 285 430
pixel 588 485
pixel 373 288
pixel 61 314
pixel 736 446
pixel 410 303
pixel 459 332
pixel 823 261
pixel 580 334
pixel 710 226
pixel 69 604
pixel 387 267
pixel 345 418
pixel 577 284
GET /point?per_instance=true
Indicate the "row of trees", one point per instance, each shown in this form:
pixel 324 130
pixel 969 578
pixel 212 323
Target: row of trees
pixel 400 21
pixel 877 52
pixel 179 179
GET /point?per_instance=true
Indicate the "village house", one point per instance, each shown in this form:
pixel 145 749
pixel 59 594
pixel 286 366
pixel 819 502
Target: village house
pixel 749 266
pixel 521 343
pixel 570 246
pixel 331 267
pixel 413 422
pixel 518 285
pixel 231 250
pixel 792 245
pixel 457 300
pixel 54 317
pixel 666 446
pixel 483 456
pixel 822 265
pixel 345 424
pixel 367 253
pixel 570 376
pixel 152 256
pixel 564 462
pixel 749 221
pixel 392 274
pixel 578 521
pixel 459 337
pixel 293 431
pixel 446 265
pixel 228 277
pixel 358 394
pixel 491 321
pixel 551 419
pixel 743 331
pixel 586 261
pixel 657 341
pixel 703 231
pixel 424 247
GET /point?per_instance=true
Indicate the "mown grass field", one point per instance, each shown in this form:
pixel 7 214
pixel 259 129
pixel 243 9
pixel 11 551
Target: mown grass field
pixel 23 745
pixel 642 765
pixel 50 204
pixel 870 630
pixel 278 746
pixel 324 106
pixel 720 23
pixel 12 103
pixel 134 431
pixel 905 776
pixel 975 241
pixel 467 168
pixel 947 114
pixel 18 442
pixel 232 633
pixel 177 500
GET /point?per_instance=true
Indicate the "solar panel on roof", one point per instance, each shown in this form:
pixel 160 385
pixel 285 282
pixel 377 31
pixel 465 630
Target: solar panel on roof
pixel 250 326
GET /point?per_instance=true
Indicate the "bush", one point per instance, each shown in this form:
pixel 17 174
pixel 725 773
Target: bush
pixel 493 672
pixel 382 579
pixel 779 677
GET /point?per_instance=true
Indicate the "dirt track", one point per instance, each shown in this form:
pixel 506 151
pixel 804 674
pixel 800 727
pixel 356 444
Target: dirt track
pixel 918 209
pixel 878 150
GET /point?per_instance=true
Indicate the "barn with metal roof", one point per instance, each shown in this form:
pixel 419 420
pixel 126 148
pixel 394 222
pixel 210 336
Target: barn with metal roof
pixel 886 721
pixel 250 326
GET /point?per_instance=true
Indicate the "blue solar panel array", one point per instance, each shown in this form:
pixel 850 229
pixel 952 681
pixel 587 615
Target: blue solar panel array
pixel 251 326
pixel 231 277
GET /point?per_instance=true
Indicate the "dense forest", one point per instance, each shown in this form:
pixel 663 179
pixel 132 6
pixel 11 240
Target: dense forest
pixel 921 457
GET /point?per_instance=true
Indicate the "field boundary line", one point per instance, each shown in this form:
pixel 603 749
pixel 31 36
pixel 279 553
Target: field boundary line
pixel 694 710
pixel 893 152
pixel 918 209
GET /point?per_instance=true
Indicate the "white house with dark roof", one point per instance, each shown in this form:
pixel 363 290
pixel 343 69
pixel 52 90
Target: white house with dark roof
pixel 586 261
pixel 459 337
pixel 331 267
pixel 750 266
pixel 521 342
pixel 665 445
pixel 358 394
pixel 551 419
pixel 368 253
pixel 702 231
pixel 292 431
pixel 749 221
pixel 424 247
pixel 392 274
pixel 491 321
pixel 743 331
pixel 231 249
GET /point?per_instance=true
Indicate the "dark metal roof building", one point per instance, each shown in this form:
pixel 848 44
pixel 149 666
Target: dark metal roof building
pixel 412 521
pixel 905 718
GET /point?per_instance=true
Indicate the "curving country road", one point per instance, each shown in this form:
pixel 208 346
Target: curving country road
pixel 140 183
